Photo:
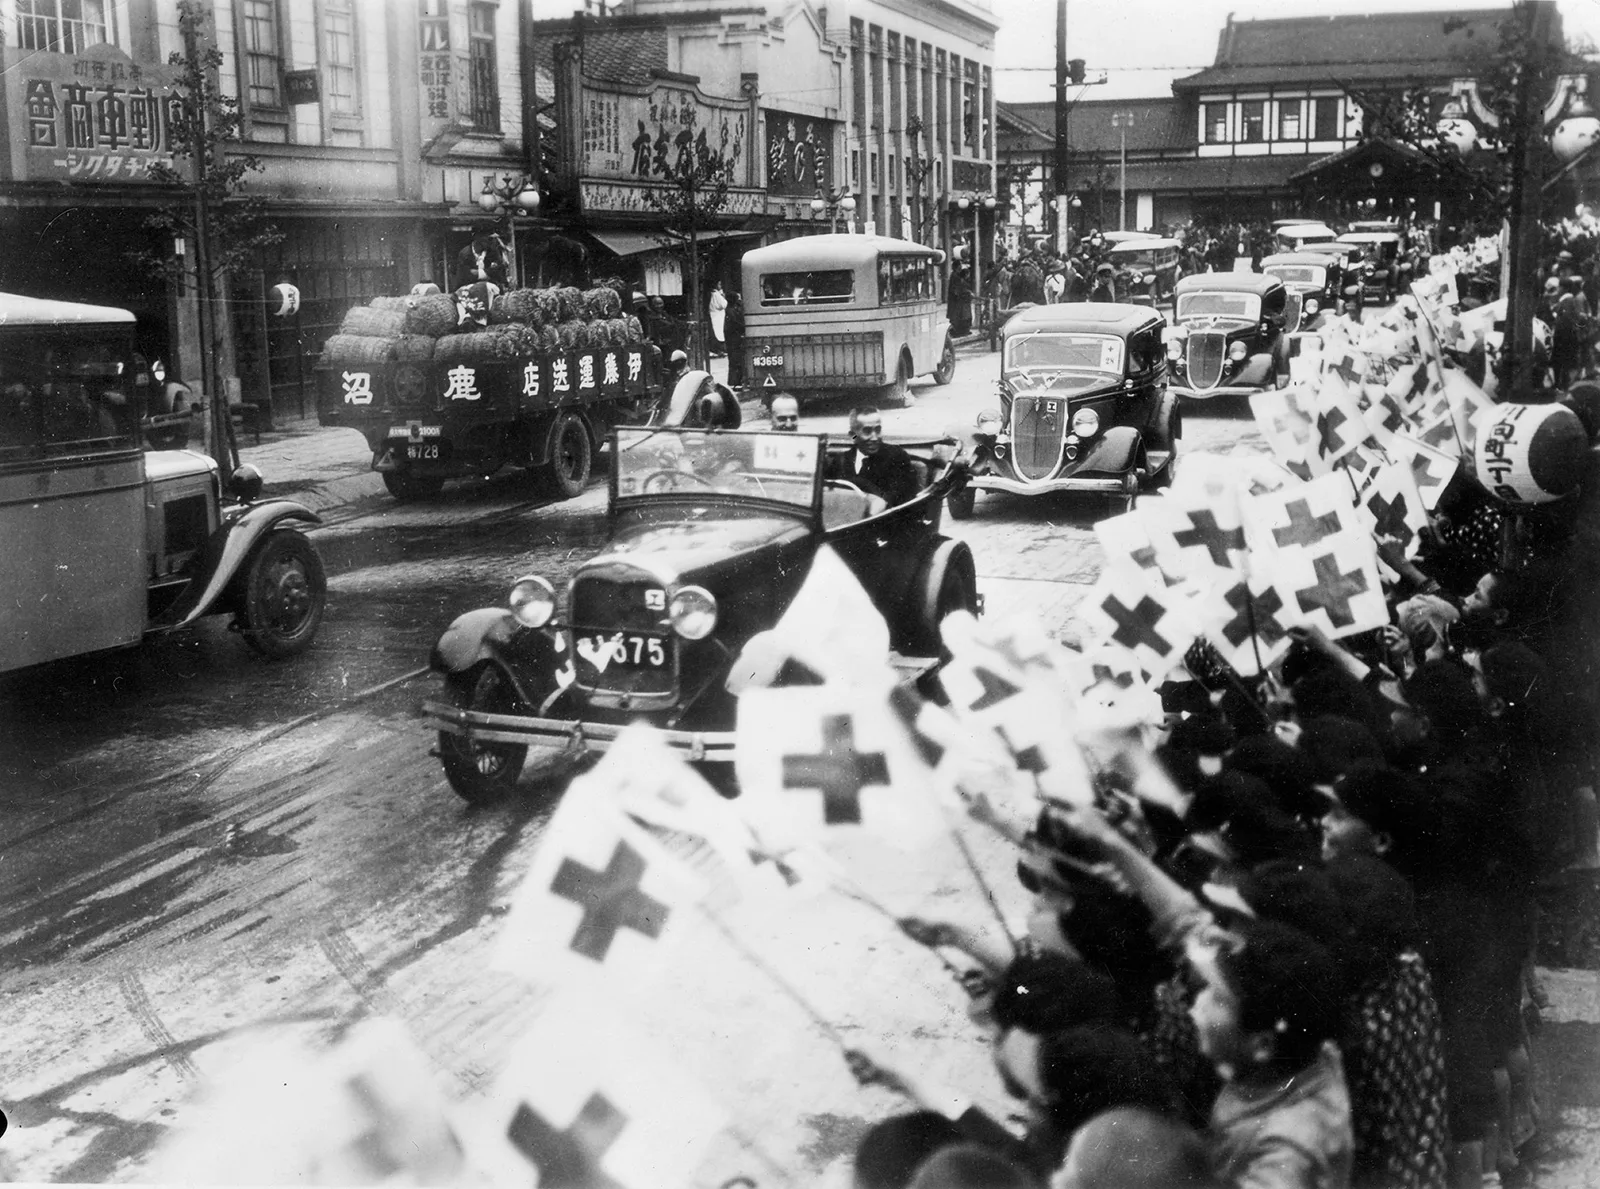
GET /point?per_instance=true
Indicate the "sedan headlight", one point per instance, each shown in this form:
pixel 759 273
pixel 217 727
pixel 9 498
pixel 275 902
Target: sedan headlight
pixel 1312 305
pixel 1174 348
pixel 1238 351
pixel 693 612
pixel 990 422
pixel 532 601
pixel 1149 278
pixel 1086 423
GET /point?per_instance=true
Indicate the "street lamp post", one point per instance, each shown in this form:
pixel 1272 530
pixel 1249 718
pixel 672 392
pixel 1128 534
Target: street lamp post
pixel 1122 121
pixel 834 202
pixel 515 195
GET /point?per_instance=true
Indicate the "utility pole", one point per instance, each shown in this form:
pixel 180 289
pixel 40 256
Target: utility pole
pixel 1059 168
pixel 1527 177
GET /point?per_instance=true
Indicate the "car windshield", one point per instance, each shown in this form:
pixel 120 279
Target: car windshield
pixel 1236 307
pixel 1057 351
pixel 775 466
pixel 66 389
pixel 1134 257
pixel 1298 274
pixel 822 286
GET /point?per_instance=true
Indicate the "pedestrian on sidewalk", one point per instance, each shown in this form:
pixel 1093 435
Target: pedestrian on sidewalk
pixel 718 308
pixel 733 328
pixel 959 303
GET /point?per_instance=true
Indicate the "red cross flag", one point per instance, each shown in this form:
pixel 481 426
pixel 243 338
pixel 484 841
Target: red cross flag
pixel 1305 359
pixel 817 758
pixel 1467 400
pixel 1122 611
pixel 1126 538
pixel 1248 621
pixel 1431 469
pixel 1287 418
pixel 1361 465
pixel 588 1101
pixel 1339 426
pixel 1410 387
pixel 1392 507
pixel 1011 679
pixel 833 628
pixel 1384 413
pixel 1335 584
pixel 601 894
pixel 1202 528
pixel 1300 517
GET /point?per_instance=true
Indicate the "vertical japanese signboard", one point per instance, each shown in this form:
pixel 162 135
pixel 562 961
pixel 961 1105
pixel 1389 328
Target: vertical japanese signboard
pixel 799 154
pixel 433 65
pixel 98 116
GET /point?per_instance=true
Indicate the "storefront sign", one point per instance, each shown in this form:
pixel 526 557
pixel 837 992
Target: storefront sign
pixel 636 198
pixel 973 176
pixel 96 116
pixel 300 86
pixel 799 154
pixel 661 132
pixel 433 65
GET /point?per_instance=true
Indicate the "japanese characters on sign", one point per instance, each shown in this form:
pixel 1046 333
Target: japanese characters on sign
pixel 97 116
pixel 635 196
pixel 648 137
pixel 557 379
pixel 433 65
pixel 799 154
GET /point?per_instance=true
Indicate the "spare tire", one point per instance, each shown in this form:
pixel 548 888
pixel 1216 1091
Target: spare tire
pixel 947 581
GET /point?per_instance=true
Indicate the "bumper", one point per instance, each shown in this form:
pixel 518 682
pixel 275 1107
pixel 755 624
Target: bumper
pixel 581 737
pixel 1114 485
pixel 1220 390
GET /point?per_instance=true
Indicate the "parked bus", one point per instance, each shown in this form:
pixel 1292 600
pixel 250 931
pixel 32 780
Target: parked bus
pixel 830 314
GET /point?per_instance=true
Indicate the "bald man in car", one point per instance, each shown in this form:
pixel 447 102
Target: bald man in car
pixel 785 413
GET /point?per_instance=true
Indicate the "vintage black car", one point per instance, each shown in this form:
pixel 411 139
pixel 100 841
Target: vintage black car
pixel 711 535
pixel 1315 281
pixel 1384 272
pixel 1228 335
pixel 1084 406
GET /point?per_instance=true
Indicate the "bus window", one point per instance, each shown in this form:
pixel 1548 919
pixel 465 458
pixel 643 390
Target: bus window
pixel 62 393
pixel 910 278
pixel 812 287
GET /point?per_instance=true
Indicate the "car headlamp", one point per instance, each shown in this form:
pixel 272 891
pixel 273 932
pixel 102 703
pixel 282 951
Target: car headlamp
pixel 1174 348
pixel 245 483
pixel 532 601
pixel 1149 278
pixel 1312 305
pixel 990 422
pixel 1238 351
pixel 693 612
pixel 1086 423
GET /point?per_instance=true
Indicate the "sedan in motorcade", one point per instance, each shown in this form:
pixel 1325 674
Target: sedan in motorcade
pixel 1146 269
pixel 711 535
pixel 1384 272
pixel 1314 281
pixel 1084 406
pixel 1294 236
pixel 1227 337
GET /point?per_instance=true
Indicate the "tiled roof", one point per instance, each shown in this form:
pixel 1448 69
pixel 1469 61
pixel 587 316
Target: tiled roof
pixel 1204 174
pixel 618 55
pixel 1357 47
pixel 1157 124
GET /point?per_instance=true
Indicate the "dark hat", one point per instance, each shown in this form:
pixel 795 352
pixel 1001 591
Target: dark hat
pixel 1048 992
pixel 1106 267
pixel 1283 766
pixel 1379 908
pixel 1331 744
pixel 1515 674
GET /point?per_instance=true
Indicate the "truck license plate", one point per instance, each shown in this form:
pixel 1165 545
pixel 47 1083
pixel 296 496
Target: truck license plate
pixel 767 361
pixel 419 452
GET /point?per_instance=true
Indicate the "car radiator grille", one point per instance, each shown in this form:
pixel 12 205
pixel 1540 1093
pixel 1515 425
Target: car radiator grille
pixel 1292 312
pixel 604 606
pixel 1036 434
pixel 1204 354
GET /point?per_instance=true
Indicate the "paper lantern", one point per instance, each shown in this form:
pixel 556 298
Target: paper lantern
pixel 474 301
pixel 285 299
pixel 1529 454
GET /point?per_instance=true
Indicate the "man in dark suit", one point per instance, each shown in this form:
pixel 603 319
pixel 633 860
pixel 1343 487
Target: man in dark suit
pixel 875 466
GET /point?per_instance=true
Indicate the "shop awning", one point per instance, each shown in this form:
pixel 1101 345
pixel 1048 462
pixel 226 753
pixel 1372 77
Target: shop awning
pixel 628 243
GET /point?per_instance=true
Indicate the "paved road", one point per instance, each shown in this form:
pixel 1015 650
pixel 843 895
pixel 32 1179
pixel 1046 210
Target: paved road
pixel 202 851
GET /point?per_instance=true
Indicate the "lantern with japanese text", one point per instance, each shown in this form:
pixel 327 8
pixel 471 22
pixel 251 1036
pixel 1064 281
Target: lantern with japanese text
pixel 1529 454
pixel 285 299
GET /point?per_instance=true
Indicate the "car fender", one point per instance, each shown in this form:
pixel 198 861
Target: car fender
pixel 537 662
pixel 1258 371
pixel 227 552
pixel 476 636
pixel 1114 450
pixel 945 557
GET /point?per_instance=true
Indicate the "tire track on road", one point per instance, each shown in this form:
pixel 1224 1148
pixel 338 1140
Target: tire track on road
pixel 144 1014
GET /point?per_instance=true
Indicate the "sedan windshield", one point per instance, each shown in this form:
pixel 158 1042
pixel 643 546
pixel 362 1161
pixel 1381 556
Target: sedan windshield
pixel 1298 274
pixel 1233 307
pixel 1058 352
pixel 775 466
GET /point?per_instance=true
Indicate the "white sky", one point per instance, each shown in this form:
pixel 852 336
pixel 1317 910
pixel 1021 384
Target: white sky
pixel 1142 45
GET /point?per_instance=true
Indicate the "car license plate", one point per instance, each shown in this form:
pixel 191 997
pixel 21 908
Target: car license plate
pixel 622 651
pixel 767 361
pixel 422 451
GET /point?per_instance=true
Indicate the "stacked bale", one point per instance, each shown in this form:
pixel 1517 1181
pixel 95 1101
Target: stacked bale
pixel 434 315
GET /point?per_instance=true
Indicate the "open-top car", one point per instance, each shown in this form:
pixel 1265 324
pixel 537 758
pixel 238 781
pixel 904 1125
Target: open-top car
pixel 1084 406
pixel 1315 283
pixel 1147 269
pixel 1291 237
pixel 1228 335
pixel 1384 271
pixel 711 535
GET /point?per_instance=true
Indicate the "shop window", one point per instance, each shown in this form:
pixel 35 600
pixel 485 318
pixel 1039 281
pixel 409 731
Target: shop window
pixel 263 57
pixel 339 59
pixel 1216 122
pixel 1289 119
pixel 62 26
pixel 1326 120
pixel 484 73
pixel 1252 121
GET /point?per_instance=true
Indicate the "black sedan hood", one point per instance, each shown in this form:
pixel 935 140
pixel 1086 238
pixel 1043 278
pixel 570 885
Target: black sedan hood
pixel 685 550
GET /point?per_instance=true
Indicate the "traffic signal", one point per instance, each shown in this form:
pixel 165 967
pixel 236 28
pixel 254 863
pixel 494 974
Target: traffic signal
pixel 1075 70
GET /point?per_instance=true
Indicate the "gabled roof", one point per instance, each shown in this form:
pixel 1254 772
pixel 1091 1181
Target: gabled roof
pixel 613 53
pixel 1157 124
pixel 1389 46
pixel 1022 133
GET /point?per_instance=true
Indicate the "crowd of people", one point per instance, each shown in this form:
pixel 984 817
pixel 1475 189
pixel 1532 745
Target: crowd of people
pixel 1297 950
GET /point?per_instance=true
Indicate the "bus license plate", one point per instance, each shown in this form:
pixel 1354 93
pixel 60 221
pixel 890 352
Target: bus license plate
pixel 767 361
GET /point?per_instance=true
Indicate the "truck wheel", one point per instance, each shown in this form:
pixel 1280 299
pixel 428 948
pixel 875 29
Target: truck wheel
pixel 403 485
pixel 961 503
pixel 285 593
pixel 947 582
pixel 946 371
pixel 571 456
pixel 482 772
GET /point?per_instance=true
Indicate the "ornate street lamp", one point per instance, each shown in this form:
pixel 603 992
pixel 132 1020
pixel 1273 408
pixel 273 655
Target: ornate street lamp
pixel 515 195
pixel 834 203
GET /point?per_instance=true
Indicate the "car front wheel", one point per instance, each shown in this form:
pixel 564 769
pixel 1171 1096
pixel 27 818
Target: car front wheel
pixel 483 772
pixel 286 591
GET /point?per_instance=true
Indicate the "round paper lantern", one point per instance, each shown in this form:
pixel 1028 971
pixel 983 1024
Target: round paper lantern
pixel 285 299
pixel 474 301
pixel 424 289
pixel 1529 454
